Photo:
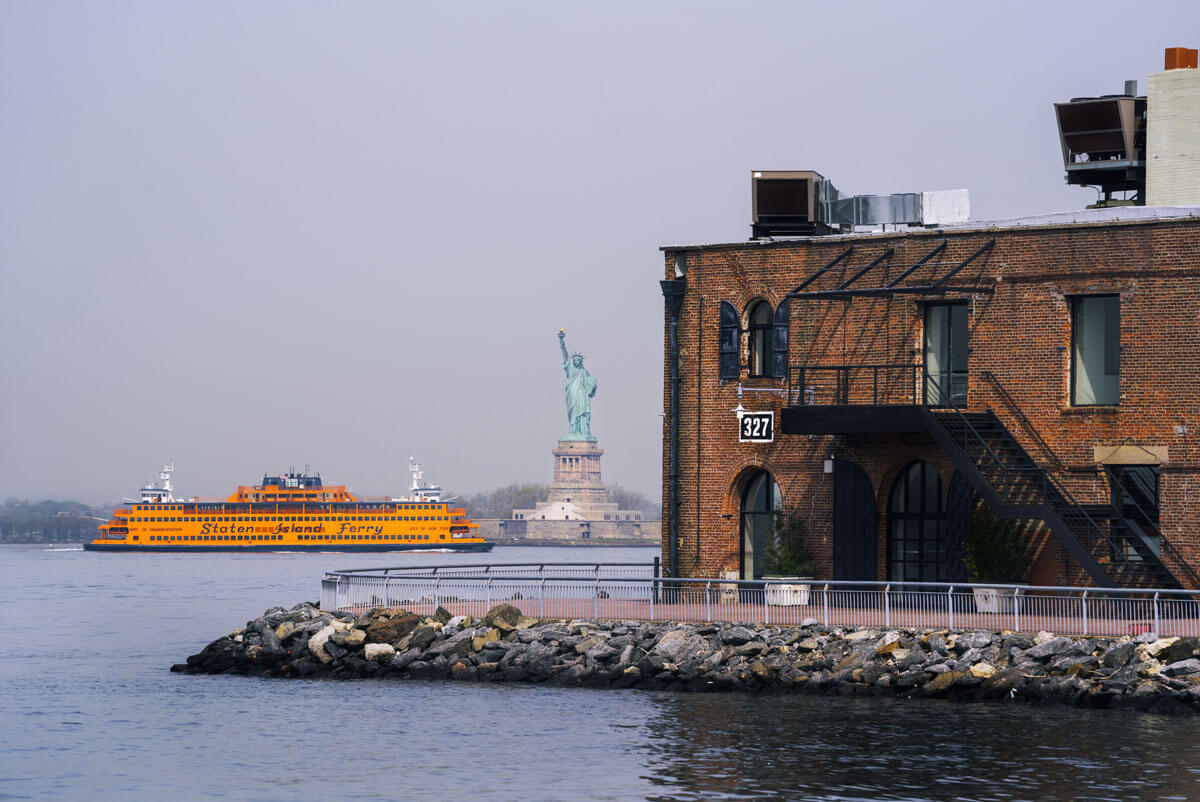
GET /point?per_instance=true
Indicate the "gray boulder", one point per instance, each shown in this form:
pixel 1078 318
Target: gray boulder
pixel 1118 655
pixel 1181 649
pixel 1050 648
pixel 736 636
pixel 1183 668
pixel 422 636
pixel 973 640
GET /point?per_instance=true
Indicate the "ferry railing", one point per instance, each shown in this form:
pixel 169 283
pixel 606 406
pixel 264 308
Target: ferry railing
pixel 909 605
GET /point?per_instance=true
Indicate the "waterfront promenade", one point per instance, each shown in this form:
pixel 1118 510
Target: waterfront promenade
pixel 631 592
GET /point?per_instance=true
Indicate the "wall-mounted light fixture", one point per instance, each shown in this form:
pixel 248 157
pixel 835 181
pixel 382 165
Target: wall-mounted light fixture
pixel 680 265
pixel 829 464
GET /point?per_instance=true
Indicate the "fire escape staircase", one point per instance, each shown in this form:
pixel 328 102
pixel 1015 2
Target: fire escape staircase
pixel 877 398
pixel 1114 550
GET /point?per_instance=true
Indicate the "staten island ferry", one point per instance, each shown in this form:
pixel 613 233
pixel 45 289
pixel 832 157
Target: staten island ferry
pixel 289 512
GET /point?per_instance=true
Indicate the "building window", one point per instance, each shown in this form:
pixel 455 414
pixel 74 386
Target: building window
pixel 760 320
pixel 946 338
pixel 1095 350
pixel 1135 494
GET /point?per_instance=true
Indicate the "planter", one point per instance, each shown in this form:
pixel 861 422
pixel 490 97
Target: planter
pixel 994 600
pixel 787 591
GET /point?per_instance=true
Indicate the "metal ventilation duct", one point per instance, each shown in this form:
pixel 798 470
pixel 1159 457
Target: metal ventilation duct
pixel 805 203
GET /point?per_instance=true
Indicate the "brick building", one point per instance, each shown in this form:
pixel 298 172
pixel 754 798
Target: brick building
pixel 1050 366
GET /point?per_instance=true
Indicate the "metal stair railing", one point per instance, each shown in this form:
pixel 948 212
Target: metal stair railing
pixel 1058 463
pixel 1163 543
pixel 1020 413
pixel 1093 531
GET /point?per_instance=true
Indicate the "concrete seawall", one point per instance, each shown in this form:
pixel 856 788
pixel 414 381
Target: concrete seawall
pixel 1143 672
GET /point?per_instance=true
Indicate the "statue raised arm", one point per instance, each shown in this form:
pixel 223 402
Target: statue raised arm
pixel 581 387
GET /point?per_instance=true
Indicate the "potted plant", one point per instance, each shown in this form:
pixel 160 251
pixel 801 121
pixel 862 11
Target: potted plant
pixel 996 550
pixel 786 563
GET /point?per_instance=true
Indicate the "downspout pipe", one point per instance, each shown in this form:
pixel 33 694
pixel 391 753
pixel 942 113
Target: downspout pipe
pixel 673 292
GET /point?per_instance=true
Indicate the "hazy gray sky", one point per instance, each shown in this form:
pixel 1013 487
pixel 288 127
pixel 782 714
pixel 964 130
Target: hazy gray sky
pixel 245 236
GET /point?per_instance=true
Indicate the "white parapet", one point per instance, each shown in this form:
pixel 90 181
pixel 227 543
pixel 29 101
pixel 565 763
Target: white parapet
pixel 1173 138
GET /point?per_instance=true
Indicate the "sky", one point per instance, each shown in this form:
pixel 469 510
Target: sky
pixel 252 236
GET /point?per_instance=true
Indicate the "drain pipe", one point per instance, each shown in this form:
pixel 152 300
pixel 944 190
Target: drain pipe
pixel 673 296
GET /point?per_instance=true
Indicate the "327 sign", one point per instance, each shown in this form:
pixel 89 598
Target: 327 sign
pixel 756 427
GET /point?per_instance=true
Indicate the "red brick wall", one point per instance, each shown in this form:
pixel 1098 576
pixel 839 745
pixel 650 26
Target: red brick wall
pixel 1021 333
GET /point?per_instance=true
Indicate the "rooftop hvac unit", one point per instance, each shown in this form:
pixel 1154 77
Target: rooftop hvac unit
pixel 1104 142
pixel 789 203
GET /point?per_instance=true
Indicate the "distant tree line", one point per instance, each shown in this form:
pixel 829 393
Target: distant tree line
pixel 501 502
pixel 48 521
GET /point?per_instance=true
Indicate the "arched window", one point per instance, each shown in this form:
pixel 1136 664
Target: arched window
pixel 767 341
pixel 760 320
pixel 916 524
pixel 760 506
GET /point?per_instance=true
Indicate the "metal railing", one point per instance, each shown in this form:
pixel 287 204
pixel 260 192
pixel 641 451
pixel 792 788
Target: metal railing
pixel 841 385
pixel 555 592
pixel 1015 408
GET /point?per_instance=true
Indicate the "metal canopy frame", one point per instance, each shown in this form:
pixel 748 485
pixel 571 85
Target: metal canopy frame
pixel 939 287
pixel 822 271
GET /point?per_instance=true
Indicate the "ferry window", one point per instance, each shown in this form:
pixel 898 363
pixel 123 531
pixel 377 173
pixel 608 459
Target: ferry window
pixel 1095 350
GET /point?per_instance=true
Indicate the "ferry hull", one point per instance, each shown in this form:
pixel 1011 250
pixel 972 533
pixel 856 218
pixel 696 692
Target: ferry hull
pixel 356 547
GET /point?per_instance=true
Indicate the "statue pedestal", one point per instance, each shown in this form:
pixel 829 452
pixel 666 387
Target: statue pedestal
pixel 578 494
pixel 577 474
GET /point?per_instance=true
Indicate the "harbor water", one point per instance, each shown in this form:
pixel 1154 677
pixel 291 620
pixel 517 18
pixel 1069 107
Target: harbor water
pixel 89 710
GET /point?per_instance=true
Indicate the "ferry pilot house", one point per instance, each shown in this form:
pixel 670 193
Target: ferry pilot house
pixel 865 395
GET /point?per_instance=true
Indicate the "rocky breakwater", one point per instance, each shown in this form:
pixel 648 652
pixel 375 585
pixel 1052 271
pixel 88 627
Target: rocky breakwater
pixel 1144 672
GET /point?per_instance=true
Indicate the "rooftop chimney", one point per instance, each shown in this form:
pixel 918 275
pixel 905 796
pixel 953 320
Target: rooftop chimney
pixel 1172 130
pixel 1179 58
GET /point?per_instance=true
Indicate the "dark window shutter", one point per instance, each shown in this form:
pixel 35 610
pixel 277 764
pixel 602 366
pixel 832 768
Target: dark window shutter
pixel 730 341
pixel 779 342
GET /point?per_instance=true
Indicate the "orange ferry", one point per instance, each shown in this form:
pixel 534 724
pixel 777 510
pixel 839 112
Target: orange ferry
pixel 289 512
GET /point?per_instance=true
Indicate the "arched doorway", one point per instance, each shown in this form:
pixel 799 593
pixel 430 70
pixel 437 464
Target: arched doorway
pixel 916 526
pixel 760 504
pixel 854 535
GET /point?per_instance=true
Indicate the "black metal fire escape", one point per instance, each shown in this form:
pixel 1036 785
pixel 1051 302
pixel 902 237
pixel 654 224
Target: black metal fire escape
pixel 1114 549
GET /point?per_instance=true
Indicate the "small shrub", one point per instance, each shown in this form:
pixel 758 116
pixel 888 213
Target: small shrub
pixel 995 549
pixel 785 556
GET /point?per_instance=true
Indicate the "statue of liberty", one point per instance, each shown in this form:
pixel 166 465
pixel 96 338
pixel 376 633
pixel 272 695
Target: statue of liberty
pixel 580 389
